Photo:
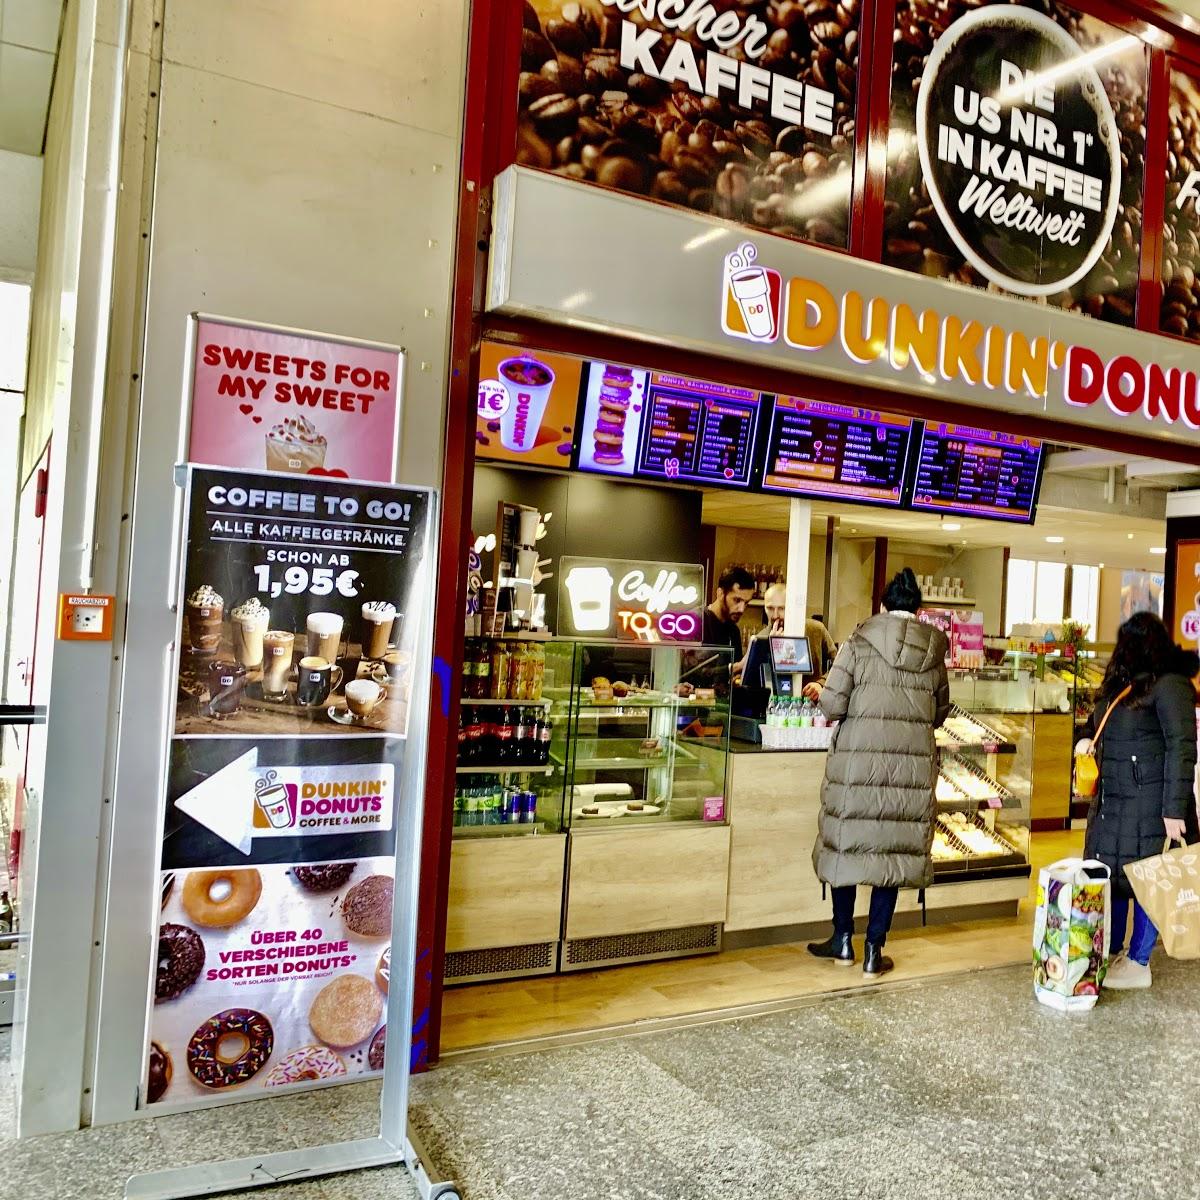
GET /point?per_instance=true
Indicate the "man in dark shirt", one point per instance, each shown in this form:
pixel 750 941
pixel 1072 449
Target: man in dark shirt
pixel 735 589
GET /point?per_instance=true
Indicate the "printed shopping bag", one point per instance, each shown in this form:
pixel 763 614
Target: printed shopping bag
pixel 1167 887
pixel 1070 934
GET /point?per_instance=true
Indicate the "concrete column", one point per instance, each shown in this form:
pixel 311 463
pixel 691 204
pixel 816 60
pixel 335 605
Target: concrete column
pixel 799 539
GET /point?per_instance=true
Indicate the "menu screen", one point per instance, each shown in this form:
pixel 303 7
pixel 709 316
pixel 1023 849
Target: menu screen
pixel 649 425
pixel 977 473
pixel 837 450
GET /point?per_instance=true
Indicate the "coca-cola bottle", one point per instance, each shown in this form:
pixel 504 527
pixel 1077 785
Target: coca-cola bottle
pixel 545 730
pixel 505 730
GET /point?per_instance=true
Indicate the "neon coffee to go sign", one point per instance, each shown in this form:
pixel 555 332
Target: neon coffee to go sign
pixel 629 601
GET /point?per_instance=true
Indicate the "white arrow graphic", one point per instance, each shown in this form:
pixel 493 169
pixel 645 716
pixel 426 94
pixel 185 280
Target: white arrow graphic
pixel 224 802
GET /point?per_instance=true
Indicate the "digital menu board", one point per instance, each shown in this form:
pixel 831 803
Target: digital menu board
pixel 838 451
pixel 650 425
pixel 977 473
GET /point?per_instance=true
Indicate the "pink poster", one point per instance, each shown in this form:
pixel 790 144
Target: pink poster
pixel 288 402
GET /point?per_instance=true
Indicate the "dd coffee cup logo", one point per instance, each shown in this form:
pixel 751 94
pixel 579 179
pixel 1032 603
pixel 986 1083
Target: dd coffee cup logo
pixel 1020 149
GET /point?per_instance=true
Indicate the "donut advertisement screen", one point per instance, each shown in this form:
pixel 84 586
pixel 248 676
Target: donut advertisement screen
pixel 837 451
pixel 974 472
pixel 669 428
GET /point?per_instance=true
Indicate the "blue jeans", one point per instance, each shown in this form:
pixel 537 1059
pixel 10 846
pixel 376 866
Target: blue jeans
pixel 879 920
pixel 1144 932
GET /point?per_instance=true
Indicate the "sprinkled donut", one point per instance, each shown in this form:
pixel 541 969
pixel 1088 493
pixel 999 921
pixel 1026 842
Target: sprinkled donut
pixel 211 1063
pixel 222 897
pixel 180 961
pixel 309 1062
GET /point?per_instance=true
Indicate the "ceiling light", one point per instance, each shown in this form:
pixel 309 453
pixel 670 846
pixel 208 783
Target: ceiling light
pixel 1129 536
pixel 1158 549
pixel 1101 566
pixel 952 527
pixel 1055 540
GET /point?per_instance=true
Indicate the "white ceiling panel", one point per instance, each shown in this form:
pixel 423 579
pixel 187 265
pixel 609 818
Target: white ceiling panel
pixel 25 79
pixel 31 23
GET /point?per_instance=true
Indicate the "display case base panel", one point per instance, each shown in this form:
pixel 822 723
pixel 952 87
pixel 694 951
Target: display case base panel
pixel 504 962
pixel 585 954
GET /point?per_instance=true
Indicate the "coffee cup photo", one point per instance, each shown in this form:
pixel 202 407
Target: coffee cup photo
pixel 316 679
pixel 363 696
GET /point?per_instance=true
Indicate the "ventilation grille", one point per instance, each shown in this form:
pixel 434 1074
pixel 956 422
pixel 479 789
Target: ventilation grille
pixel 532 959
pixel 625 947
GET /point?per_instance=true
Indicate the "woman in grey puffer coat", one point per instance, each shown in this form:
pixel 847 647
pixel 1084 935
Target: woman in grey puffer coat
pixel 889 689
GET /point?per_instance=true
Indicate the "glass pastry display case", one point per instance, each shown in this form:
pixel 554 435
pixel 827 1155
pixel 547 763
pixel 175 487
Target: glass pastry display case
pixel 985 773
pixel 642 732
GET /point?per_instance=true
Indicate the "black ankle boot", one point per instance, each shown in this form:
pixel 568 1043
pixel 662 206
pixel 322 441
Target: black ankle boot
pixel 840 948
pixel 875 962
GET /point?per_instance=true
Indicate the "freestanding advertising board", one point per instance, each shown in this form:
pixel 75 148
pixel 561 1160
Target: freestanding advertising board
pixel 285 932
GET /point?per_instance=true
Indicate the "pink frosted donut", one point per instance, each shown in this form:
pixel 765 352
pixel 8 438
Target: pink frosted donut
pixel 309 1062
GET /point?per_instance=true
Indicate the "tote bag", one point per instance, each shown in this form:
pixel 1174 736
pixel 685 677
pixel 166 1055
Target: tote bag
pixel 1167 886
pixel 1071 934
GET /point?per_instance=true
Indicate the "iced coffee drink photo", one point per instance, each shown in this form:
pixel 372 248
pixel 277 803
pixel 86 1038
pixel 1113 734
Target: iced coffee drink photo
pixel 295 445
pixel 205 610
pixel 378 617
pixel 250 621
pixel 278 646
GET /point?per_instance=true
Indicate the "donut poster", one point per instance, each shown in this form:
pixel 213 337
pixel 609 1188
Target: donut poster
pixel 298 611
pixel 269 979
pixel 265 398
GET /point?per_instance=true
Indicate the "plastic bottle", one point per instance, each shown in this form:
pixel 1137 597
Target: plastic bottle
pixel 806 714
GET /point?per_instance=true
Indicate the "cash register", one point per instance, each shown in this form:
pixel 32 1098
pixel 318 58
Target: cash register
pixel 776 664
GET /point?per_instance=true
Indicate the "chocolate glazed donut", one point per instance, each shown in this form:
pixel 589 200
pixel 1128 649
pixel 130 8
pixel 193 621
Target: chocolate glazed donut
pixel 180 961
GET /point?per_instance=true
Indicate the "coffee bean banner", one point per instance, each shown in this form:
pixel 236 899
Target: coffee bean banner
pixel 1180 313
pixel 744 109
pixel 1076 159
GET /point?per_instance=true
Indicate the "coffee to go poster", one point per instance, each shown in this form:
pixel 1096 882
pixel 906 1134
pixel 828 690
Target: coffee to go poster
pixel 299 606
pixel 276 400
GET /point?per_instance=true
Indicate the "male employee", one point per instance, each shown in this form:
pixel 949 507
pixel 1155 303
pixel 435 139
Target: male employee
pixel 735 589
pixel 820 640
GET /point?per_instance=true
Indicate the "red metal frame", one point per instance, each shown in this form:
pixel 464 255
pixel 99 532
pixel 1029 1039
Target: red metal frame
pixel 484 134
pixel 490 124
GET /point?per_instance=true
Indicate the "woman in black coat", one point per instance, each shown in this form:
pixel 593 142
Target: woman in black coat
pixel 1147 758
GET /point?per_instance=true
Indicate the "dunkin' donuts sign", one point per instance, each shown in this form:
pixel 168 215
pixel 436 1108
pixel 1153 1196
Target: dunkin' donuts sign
pixel 759 305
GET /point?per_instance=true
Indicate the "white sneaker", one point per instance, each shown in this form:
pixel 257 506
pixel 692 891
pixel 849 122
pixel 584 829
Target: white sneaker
pixel 1125 975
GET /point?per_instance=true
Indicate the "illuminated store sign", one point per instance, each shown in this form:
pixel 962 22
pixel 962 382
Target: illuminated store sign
pixel 632 601
pixel 867 330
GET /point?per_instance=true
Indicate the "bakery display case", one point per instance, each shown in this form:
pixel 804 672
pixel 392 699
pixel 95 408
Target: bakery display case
pixel 985 776
pixel 647 733
pixel 601 836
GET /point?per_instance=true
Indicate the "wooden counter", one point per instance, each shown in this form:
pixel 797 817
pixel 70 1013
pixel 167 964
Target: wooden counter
pixel 774 799
pixel 773 803
pixel 505 891
pixel 625 881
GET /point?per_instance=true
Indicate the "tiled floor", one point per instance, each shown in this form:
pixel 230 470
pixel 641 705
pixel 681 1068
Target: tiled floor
pixel 951 1089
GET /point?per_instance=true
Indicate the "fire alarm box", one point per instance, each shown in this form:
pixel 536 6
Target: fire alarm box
pixel 85 618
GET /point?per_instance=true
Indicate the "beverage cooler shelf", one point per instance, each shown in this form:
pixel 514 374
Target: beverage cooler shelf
pixel 508 769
